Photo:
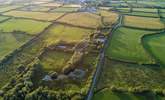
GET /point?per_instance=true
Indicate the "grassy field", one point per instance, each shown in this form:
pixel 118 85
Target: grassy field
pixel 126 45
pixel 107 94
pixel 143 22
pixel 142 14
pixel 10 42
pixel 82 19
pixel 35 15
pixel 51 4
pixel 155 45
pixel 29 26
pixel 54 60
pixel 127 77
pixel 2 18
pixel 145 10
pixel 67 33
pixel 109 18
pixel 35 8
pixel 72 5
pixel 7 8
pixel 65 9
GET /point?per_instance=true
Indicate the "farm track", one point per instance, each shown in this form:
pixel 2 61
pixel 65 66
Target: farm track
pixel 101 60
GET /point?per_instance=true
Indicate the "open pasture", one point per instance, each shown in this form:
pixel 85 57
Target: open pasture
pixel 5 8
pixel 67 33
pixel 29 26
pixel 127 77
pixel 72 5
pixel 143 22
pixel 51 4
pixel 142 14
pixel 84 19
pixel 11 41
pixel 35 8
pixel 147 10
pixel 54 60
pixel 35 15
pixel 125 45
pixel 2 18
pixel 109 17
pixel 65 9
pixel 155 45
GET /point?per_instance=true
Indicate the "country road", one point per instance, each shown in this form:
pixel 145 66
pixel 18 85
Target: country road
pixel 101 60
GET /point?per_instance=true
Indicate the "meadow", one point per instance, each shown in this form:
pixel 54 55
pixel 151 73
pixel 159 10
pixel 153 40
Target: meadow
pixel 125 45
pixel 54 60
pixel 143 22
pixel 155 45
pixel 121 76
pixel 67 34
pixel 28 26
pixel 8 7
pixel 65 9
pixel 105 94
pixel 142 14
pixel 35 8
pixel 87 19
pixel 11 41
pixel 35 15
pixel 2 18
pixel 109 17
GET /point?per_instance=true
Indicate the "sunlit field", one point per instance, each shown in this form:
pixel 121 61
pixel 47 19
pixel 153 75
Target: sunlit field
pixel 82 50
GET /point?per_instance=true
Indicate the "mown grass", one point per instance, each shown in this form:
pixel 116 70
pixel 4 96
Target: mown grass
pixel 82 19
pixel 126 45
pixel 67 33
pixel 8 7
pixel 35 15
pixel 143 22
pixel 29 26
pixel 65 9
pixel 155 45
pixel 126 76
pixel 10 42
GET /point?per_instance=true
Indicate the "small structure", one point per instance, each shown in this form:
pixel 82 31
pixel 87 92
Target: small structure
pixel 47 78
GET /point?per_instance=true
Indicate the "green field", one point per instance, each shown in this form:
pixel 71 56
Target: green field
pixel 87 19
pixel 67 33
pixel 54 60
pixel 108 94
pixel 143 22
pixel 131 77
pixel 7 8
pixel 65 9
pixel 45 16
pixel 2 18
pixel 155 45
pixel 142 14
pixel 35 8
pixel 29 26
pixel 10 42
pixel 126 45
